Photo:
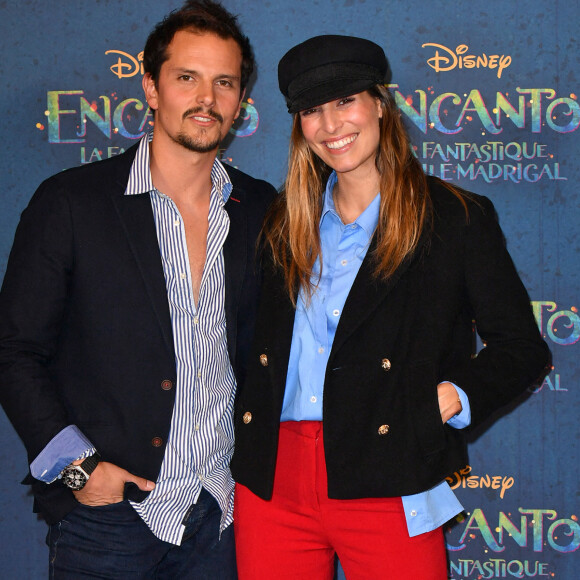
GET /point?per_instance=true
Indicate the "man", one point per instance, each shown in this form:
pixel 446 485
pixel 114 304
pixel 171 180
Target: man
pixel 125 315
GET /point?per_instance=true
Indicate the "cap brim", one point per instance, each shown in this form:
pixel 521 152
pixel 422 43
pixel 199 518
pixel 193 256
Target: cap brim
pixel 328 91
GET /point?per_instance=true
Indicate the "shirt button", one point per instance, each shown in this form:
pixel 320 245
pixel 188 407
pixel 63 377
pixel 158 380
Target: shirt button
pixel 247 418
pixel 166 385
pixel 176 223
pixel 197 427
pixel 313 399
pixel 182 276
pixel 413 513
pixel 264 360
pixel 199 374
pixel 335 312
pixel 321 350
pixel 195 320
pixel 386 364
pixel 156 441
pixel 344 262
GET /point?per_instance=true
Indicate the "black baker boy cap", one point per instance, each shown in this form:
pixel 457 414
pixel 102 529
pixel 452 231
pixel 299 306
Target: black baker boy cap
pixel 329 67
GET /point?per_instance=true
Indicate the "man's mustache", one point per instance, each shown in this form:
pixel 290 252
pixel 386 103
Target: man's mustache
pixel 210 113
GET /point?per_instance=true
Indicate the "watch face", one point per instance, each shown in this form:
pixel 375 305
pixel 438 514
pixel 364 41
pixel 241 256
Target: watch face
pixel 74 477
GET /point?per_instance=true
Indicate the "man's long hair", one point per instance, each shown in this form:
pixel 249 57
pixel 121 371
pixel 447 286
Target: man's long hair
pixel 291 230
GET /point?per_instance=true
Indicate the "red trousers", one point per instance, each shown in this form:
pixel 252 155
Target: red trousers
pixel 298 532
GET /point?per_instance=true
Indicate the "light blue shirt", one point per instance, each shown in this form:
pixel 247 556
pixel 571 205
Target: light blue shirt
pixel 343 249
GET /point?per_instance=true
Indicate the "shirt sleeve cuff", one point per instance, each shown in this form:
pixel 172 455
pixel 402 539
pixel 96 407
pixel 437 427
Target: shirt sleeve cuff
pixel 64 448
pixel 426 511
pixel 463 419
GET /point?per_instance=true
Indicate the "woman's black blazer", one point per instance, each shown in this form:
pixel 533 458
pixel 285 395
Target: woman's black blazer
pixel 396 340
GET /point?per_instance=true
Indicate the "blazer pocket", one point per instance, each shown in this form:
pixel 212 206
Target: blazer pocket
pixel 424 406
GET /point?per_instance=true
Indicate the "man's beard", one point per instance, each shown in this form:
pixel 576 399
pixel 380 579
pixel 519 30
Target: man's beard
pixel 198 144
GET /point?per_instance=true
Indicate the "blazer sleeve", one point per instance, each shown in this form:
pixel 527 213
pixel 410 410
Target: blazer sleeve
pixel 33 301
pixel 514 354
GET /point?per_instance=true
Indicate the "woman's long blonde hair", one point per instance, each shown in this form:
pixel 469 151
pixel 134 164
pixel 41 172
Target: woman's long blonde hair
pixel 291 230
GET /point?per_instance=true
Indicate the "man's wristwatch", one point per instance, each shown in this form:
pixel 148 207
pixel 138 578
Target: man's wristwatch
pixel 76 476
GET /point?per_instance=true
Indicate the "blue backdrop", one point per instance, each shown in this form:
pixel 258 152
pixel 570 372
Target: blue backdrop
pixel 490 95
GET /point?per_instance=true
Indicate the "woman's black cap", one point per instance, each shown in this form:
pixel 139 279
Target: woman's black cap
pixel 329 67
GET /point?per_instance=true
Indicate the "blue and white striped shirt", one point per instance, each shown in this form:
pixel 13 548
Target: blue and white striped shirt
pixel 201 437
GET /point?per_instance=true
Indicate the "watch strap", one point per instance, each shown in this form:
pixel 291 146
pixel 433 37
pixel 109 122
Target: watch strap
pixel 90 463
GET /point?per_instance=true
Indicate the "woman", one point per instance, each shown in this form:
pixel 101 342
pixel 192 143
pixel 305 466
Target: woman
pixel 362 376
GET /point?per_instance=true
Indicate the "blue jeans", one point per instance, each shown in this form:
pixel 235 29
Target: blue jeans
pixel 112 541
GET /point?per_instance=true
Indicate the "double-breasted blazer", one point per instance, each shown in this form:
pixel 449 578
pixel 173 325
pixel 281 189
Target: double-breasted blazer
pixel 85 328
pixel 396 340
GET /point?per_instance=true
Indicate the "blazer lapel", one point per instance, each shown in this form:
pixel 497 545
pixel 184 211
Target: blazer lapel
pixel 136 216
pixel 235 263
pixel 366 294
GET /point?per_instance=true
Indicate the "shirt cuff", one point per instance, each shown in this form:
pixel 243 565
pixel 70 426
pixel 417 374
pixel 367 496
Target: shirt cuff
pixel 463 419
pixel 64 448
pixel 426 511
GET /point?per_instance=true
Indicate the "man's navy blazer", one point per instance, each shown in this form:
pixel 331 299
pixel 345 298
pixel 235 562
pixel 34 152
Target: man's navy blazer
pixel 85 329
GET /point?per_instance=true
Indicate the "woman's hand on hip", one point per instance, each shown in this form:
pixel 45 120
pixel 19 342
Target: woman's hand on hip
pixel 449 402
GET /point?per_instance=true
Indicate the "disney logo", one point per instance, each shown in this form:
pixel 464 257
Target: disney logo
pixel 126 65
pixel 462 478
pixel 446 59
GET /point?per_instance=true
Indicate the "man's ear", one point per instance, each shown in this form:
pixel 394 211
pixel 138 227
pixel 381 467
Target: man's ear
pixel 150 90
pixel 240 104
